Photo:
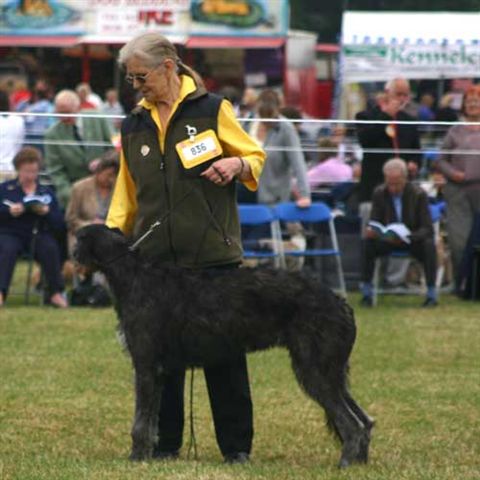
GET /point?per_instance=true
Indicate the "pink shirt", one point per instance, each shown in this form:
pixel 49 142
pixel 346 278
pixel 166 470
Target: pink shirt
pixel 332 170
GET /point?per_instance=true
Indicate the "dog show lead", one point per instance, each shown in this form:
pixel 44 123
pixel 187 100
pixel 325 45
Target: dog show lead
pixel 182 152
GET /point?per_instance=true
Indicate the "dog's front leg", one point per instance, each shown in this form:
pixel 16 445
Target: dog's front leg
pixel 147 403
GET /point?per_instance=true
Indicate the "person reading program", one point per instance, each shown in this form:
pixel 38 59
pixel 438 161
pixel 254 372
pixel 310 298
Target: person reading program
pixel 400 201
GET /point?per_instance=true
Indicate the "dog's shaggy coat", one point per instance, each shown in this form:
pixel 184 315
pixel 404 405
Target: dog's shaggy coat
pixel 177 317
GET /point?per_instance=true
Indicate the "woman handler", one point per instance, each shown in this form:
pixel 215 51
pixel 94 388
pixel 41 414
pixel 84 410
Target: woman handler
pixel 182 152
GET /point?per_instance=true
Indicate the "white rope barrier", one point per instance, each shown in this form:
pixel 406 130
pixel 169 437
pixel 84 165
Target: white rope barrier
pixel 308 146
pixel 249 120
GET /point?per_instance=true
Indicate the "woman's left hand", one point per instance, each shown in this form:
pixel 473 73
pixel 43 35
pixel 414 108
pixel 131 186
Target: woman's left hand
pixel 223 171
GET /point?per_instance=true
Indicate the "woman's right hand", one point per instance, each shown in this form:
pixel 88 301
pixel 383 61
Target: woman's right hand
pixel 17 209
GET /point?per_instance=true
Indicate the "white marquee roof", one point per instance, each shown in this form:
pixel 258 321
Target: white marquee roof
pixel 410 27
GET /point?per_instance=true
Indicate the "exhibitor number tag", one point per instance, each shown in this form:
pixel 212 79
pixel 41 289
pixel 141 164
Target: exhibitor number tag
pixel 199 149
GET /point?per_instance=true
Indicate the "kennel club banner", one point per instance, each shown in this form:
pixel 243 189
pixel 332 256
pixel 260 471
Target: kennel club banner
pixel 380 46
pixel 370 63
pixel 116 21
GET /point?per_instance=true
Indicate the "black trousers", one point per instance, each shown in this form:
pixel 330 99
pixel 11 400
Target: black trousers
pixel 423 250
pixel 46 252
pixel 229 394
pixel 230 402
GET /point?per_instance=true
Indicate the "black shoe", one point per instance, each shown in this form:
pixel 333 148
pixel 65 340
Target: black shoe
pixel 429 303
pixel 366 301
pixel 237 457
pixel 162 455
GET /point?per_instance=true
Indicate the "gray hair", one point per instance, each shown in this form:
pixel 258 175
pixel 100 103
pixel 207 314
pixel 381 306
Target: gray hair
pixel 152 49
pixel 395 165
pixel 393 83
pixel 83 88
pixel 68 98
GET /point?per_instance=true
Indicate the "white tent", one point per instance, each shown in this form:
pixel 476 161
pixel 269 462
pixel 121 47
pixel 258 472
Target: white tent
pixel 377 46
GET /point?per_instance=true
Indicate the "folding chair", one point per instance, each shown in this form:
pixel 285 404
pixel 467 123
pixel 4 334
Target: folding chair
pixel 256 215
pixel 317 213
pixel 436 211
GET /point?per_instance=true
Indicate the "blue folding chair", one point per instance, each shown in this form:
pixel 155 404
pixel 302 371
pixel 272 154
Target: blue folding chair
pixel 257 215
pixel 317 213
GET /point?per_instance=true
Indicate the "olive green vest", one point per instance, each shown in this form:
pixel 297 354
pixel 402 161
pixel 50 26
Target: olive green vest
pixel 199 220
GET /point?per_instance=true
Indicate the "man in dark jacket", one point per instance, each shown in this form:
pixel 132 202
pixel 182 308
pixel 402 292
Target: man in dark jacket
pixel 398 201
pixel 384 141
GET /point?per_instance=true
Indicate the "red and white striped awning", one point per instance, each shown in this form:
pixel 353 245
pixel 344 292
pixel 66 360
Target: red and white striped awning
pixel 38 40
pixel 234 42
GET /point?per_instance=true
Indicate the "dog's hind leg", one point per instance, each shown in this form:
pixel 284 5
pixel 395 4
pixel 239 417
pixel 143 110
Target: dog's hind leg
pixel 147 400
pixel 326 384
pixel 367 421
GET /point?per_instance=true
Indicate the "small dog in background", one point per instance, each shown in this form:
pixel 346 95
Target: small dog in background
pixel 175 317
pixel 296 241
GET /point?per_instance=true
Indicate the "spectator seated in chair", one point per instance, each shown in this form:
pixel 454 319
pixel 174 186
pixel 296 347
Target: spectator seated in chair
pixel 89 203
pixel 399 201
pixel 29 216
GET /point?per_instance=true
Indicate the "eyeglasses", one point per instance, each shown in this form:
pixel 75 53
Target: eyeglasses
pixel 141 78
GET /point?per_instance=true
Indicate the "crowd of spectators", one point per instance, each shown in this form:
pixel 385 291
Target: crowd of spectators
pixel 442 160
pixel 303 160
pixel 57 174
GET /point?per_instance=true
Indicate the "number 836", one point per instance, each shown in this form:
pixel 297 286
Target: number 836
pixel 197 149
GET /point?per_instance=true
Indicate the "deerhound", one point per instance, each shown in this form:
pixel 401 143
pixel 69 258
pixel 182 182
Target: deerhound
pixel 175 317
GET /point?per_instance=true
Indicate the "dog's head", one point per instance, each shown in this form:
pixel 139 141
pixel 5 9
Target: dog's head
pixel 97 246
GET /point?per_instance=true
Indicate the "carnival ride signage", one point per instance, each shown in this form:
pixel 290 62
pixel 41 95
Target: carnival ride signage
pixel 95 19
pixel 240 14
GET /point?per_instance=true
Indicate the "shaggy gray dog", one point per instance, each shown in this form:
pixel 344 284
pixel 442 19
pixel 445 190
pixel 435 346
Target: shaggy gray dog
pixel 175 317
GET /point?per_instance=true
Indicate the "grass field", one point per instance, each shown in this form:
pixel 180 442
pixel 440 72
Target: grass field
pixel 66 401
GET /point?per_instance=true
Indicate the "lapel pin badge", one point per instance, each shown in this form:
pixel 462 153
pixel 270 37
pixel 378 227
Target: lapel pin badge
pixel 145 150
pixel 191 132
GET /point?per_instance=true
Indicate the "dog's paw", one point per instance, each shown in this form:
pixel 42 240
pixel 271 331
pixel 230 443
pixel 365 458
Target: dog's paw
pixel 140 455
pixel 355 451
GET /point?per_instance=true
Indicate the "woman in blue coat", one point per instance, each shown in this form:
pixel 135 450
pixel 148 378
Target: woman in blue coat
pixel 29 214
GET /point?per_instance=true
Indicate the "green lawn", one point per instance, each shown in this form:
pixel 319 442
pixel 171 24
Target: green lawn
pixel 66 401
